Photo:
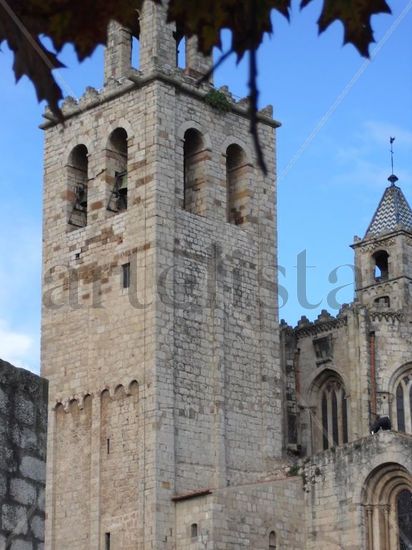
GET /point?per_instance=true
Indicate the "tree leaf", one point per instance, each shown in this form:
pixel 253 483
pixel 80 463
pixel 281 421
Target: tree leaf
pixel 31 58
pixel 355 15
pixel 247 20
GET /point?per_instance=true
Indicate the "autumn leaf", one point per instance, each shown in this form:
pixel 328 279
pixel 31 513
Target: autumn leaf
pixel 355 16
pixel 248 21
pixel 27 50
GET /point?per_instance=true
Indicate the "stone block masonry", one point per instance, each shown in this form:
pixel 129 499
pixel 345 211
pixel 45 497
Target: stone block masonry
pixel 23 435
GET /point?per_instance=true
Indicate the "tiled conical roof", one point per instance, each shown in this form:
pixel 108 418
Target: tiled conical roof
pixel 392 213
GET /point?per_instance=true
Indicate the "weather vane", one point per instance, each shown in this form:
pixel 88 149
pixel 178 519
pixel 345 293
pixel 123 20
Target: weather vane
pixel 392 178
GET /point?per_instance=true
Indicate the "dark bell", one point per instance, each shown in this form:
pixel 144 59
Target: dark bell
pixel 81 197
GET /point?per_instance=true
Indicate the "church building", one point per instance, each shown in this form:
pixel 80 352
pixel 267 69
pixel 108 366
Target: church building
pixel 182 416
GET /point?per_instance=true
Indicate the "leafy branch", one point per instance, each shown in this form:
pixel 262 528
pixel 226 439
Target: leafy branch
pixel 84 24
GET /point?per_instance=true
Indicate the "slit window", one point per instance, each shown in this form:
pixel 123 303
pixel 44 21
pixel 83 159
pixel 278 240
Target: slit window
pixel 194 531
pixel 126 275
pixel 107 541
pixel 272 540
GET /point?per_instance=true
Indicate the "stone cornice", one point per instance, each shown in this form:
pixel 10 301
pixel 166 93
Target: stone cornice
pixel 136 80
pixel 372 243
pixel 320 326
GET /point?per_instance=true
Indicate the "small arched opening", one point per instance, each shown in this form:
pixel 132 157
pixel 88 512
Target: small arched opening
pixel 116 168
pixel 77 184
pixel 381 265
pixel 272 540
pixel 194 531
pixel 237 185
pixel 194 176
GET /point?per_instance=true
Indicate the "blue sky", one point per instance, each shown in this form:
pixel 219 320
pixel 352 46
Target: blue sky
pixel 337 113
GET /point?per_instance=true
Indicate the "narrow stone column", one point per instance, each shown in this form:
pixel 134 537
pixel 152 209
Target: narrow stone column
pixel 369 515
pixel 197 64
pixel 95 475
pixel 386 512
pixel 118 52
pixel 50 490
pixel 157 43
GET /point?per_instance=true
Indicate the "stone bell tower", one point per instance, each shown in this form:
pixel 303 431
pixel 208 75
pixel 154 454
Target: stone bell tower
pixel 383 261
pixel 159 323
pixel 383 257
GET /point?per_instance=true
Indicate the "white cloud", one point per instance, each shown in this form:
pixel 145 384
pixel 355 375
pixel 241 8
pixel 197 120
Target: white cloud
pixel 364 161
pixel 17 348
pixel 379 132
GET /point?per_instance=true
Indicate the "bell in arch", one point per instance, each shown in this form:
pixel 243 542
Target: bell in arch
pixel 121 190
pixel 81 196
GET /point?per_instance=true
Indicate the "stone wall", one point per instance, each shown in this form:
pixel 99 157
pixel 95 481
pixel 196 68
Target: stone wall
pixel 333 486
pixel 243 517
pixel 23 429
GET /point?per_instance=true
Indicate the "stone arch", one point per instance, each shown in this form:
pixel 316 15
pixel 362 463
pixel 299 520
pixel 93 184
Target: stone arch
pixel 233 140
pixel 105 394
pixel 379 498
pixel 191 124
pixel 85 400
pixel 121 123
pixel 59 407
pixel 318 377
pixel 328 399
pixel 400 391
pixel 73 405
pixel 78 140
pixel 133 388
pixel 119 391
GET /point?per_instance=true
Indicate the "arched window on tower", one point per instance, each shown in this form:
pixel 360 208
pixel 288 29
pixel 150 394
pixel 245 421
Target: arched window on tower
pixel 272 540
pixel 401 390
pixel 237 182
pixel 381 269
pixel 77 181
pixel 194 173
pixel 116 168
pixel 331 422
